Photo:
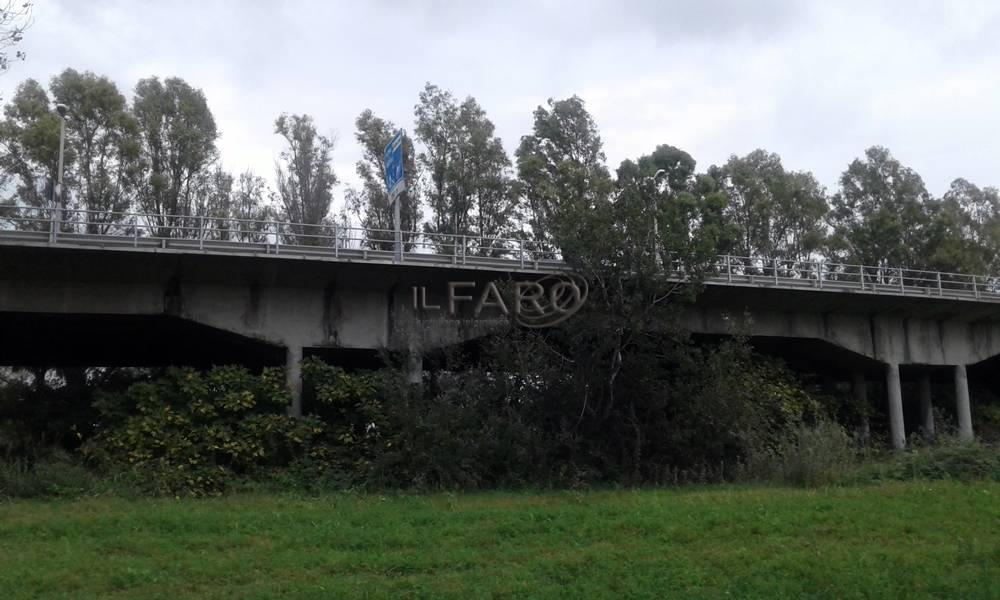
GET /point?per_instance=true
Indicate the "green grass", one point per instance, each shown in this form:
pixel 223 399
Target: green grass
pixel 899 540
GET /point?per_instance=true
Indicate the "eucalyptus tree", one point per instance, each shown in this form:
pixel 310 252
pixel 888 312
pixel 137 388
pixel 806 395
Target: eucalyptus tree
pixel 561 162
pixel 963 233
pixel 177 133
pixel 370 202
pixel 776 214
pixel 879 216
pixel 471 190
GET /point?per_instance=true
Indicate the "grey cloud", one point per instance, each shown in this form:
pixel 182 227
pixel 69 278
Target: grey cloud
pixel 814 81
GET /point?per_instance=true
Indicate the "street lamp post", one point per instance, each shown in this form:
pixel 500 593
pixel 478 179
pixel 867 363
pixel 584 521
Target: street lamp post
pixel 61 109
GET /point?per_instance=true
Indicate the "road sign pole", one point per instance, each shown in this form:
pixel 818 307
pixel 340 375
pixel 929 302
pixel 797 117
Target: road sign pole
pixel 395 186
pixel 399 233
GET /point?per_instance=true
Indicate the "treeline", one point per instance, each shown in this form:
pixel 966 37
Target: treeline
pixel 157 153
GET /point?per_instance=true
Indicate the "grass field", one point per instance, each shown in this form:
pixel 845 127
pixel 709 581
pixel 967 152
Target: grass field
pixel 901 540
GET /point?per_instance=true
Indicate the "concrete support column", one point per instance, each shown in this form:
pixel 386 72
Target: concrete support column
pixel 962 404
pixel 896 428
pixel 859 388
pixel 293 373
pixel 415 368
pixel 926 408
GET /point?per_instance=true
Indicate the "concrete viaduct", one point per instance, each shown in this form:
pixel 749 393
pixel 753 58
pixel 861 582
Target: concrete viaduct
pixel 83 298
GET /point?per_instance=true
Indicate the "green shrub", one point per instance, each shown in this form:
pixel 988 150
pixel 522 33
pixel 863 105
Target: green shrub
pixel 810 456
pixel 949 458
pixel 56 476
pixel 190 432
pixel 460 431
pixel 988 422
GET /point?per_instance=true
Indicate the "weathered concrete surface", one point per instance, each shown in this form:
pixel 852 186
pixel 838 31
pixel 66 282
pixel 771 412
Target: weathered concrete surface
pixel 290 301
pixel 285 301
pixel 897 431
pixel 962 406
pixel 886 329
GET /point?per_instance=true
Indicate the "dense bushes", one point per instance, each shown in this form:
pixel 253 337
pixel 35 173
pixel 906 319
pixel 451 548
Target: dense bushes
pixel 45 409
pixel 455 433
pixel 505 420
pixel 510 420
pixel 53 476
pixel 815 455
pixel 949 458
pixel 192 432
pixel 719 413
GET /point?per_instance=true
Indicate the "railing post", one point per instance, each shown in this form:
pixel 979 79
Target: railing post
pixel 135 231
pixel 902 288
pixel 277 236
pixel 861 276
pixel 940 290
pixel 729 268
pixel 54 226
pixel 774 266
pixel 819 273
pixel 336 241
pixel 464 247
pixel 201 232
pixel 520 248
pixel 975 288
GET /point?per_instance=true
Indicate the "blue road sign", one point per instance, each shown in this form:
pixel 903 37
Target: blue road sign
pixel 395 182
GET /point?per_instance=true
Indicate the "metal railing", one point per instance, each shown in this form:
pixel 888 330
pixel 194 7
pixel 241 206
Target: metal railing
pixel 823 275
pixel 107 229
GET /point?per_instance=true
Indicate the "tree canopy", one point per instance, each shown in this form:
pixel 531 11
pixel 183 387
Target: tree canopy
pixel 561 163
pixel 304 175
pixel 879 215
pixel 471 191
pixel 370 202
pixel 178 134
pixel 556 197
pixel 774 213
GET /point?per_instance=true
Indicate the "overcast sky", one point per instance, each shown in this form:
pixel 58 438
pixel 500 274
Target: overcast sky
pixel 815 82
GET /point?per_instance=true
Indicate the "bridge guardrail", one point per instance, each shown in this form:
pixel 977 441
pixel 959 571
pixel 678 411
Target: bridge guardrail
pixel 881 279
pixel 103 229
pixel 207 233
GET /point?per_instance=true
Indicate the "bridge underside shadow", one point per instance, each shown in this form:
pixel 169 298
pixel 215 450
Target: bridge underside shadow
pixel 90 340
pixel 920 389
pixel 808 355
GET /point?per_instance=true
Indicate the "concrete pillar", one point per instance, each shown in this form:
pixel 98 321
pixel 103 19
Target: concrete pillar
pixel 896 428
pixel 962 404
pixel 415 368
pixel 926 408
pixel 859 388
pixel 293 373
